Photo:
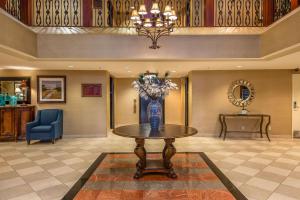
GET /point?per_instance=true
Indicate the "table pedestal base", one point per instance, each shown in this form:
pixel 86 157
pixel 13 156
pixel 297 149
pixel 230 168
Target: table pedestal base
pixel 144 166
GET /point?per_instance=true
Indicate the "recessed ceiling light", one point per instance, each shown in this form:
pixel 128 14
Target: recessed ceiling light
pixel 239 66
pixel 173 71
pixel 129 71
pixel 18 67
pixel 71 66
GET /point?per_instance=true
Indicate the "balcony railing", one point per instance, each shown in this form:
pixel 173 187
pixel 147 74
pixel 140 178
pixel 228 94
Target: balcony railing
pixel 13 8
pixel 116 13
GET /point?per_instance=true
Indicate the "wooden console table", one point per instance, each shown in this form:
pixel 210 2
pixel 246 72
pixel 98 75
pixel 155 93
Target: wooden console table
pixel 13 121
pixel 262 128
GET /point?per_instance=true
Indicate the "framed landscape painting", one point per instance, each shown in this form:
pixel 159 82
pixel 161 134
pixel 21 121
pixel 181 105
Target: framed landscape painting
pixel 51 89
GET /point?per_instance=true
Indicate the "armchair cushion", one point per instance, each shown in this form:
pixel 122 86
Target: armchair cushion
pixel 41 129
pixel 49 116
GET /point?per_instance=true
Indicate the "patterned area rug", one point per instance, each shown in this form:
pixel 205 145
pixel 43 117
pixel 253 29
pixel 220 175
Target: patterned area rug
pixel 111 178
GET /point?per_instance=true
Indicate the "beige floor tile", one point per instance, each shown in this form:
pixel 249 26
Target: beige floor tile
pixel 288 191
pixel 34 153
pixel 246 170
pixel 270 176
pixel 9 183
pixel 30 170
pixel 44 183
pixel 60 170
pixel 5 169
pixel 277 196
pixel 36 176
pixel 293 182
pixel 234 161
pixel 260 161
pixel 254 192
pixel 276 170
pixel 45 161
pixel 263 184
pixel 287 161
pixel 69 177
pixel 15 192
pixel 53 165
pixel 55 192
pixel 18 161
pixel 30 196
pixel 72 161
pixel 58 153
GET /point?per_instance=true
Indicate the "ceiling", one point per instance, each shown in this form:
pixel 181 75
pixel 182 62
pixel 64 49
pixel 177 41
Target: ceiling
pixel 131 68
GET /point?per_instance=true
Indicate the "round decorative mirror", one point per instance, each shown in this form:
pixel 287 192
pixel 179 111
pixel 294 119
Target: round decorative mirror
pixel 241 93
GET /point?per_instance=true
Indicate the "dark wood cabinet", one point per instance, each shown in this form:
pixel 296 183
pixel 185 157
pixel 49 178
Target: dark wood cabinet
pixel 13 121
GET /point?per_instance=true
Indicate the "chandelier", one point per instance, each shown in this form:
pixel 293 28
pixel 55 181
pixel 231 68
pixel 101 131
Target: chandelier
pixel 154 24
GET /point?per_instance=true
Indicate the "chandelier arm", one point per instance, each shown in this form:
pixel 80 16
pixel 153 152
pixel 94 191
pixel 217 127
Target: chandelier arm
pixel 164 32
pixel 147 33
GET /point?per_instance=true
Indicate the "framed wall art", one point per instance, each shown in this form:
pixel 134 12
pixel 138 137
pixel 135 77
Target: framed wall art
pixel 51 89
pixel 91 90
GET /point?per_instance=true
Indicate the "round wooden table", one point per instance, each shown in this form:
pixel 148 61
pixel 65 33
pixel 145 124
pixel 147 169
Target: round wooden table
pixel 168 133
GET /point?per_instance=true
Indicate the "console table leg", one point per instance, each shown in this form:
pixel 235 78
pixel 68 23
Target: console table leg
pixel 222 126
pixel 267 128
pixel 261 126
pixel 168 152
pixel 225 131
pixel 140 151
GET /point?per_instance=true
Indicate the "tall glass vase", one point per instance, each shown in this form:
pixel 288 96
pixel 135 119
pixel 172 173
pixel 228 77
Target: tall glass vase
pixel 154 111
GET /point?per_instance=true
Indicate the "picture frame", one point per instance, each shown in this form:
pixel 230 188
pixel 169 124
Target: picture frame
pixel 91 90
pixel 51 89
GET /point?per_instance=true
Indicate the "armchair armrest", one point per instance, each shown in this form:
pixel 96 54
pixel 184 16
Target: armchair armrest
pixel 32 124
pixel 56 126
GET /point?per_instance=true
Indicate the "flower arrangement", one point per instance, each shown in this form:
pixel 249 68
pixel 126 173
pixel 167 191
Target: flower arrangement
pixel 149 85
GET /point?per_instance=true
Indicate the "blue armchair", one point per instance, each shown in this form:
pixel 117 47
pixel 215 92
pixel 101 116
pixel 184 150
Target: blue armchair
pixel 48 125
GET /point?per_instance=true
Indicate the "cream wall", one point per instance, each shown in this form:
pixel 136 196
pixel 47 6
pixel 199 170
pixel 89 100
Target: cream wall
pixel 124 103
pixel 282 35
pixel 209 99
pixel 83 116
pixel 14 35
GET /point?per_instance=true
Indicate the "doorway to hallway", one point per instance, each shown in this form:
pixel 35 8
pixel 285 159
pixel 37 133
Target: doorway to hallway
pixel 296 105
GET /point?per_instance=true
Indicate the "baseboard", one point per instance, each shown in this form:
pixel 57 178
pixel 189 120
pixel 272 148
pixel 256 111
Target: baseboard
pixel 243 135
pixel 84 136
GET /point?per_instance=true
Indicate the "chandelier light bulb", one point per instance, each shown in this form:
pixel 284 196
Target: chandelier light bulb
pixel 168 10
pixel 148 23
pixel 135 15
pixel 142 10
pixel 159 23
pixel 173 16
pixel 155 9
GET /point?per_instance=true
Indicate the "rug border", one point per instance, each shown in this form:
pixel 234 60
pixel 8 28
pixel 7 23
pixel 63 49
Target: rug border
pixel 84 178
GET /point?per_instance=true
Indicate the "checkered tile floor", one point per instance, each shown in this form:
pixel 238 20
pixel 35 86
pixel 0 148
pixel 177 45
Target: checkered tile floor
pixel 260 169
